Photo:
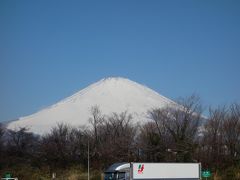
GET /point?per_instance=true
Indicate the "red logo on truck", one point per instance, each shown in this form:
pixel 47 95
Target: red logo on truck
pixel 140 168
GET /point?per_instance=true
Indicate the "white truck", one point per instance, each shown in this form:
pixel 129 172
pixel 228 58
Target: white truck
pixel 153 171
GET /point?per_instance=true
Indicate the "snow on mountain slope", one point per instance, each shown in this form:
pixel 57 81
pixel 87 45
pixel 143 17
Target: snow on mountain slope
pixel 110 94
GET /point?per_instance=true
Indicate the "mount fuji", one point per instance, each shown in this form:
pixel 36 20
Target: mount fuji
pixel 113 94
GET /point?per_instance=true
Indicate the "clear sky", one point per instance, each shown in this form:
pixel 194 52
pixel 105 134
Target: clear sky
pixel 51 49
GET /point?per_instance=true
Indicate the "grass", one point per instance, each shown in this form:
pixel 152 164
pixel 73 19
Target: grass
pixel 26 172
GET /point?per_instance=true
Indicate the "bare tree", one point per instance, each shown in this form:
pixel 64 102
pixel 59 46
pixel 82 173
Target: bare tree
pixel 182 123
pixel 64 146
pixel 20 141
pixel 55 147
pixel 1 136
pixel 212 146
pixel 96 120
pixel 1 144
pixel 117 136
pixel 221 137
pixel 153 143
pixel 231 131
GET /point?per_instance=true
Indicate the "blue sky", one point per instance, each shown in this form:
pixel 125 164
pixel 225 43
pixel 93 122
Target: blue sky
pixel 51 49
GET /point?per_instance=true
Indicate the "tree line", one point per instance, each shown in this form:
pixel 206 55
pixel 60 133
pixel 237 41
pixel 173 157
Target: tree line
pixel 177 133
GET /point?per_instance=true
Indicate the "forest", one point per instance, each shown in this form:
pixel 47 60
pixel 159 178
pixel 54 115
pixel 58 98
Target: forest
pixel 180 133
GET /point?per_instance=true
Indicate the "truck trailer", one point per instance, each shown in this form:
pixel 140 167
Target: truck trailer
pixel 153 171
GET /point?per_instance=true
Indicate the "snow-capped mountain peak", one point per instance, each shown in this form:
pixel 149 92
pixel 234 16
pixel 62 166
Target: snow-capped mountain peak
pixel 113 94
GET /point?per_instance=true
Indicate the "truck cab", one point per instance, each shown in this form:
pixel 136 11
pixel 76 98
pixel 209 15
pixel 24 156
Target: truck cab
pixel 118 171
